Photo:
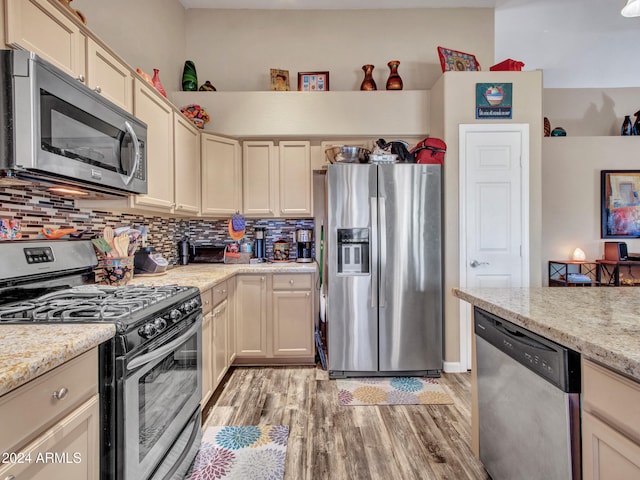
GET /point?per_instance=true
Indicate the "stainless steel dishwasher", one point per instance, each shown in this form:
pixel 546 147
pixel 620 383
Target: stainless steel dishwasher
pixel 528 403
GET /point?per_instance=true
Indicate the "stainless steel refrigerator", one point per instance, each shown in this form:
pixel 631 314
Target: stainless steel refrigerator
pixel 384 256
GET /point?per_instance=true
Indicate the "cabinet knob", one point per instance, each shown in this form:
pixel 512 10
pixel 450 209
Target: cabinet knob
pixel 60 394
pixel 224 290
pixel 206 302
pixel 10 477
pixel 98 89
pixel 308 294
pixel 80 78
pixel 262 279
pixel 291 281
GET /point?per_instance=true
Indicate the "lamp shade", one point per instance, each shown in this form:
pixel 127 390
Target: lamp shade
pixel 631 9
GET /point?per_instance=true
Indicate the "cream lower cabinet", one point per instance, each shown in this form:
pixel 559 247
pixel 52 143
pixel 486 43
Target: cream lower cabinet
pixel 292 315
pixel 207 346
pixel 610 424
pixel 274 318
pixel 51 425
pixel 221 175
pixel 220 338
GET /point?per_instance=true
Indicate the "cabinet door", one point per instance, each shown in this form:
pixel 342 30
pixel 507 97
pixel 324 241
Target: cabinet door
pixel 606 453
pixel 149 107
pixel 39 27
pixel 187 165
pixel 220 361
pixel 221 175
pixel 207 358
pixel 109 76
pixel 292 324
pixel 259 179
pixel 251 315
pixel 231 322
pixel 69 449
pixel 296 178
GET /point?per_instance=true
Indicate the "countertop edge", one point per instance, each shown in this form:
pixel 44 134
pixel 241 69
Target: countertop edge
pixel 27 354
pixel 584 346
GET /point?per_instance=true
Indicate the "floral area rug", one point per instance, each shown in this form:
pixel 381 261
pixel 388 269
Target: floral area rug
pixel 391 391
pixel 241 453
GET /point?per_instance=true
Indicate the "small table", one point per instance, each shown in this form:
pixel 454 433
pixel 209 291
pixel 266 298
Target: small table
pixel 609 272
pixel 560 271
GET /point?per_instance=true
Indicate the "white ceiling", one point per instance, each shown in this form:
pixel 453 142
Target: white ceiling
pixel 335 4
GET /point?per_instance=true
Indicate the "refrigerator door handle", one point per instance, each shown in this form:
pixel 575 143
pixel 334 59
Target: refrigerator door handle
pixel 373 208
pixel 383 252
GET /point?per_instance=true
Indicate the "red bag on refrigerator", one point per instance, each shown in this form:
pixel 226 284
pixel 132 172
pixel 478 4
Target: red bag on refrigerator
pixel 430 150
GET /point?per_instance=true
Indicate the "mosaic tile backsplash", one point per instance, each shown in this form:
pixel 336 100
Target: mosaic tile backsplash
pixel 36 208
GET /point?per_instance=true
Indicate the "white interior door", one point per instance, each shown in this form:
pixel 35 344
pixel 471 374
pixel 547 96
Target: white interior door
pixel 494 213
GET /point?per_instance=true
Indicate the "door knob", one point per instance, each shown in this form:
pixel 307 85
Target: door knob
pixel 475 263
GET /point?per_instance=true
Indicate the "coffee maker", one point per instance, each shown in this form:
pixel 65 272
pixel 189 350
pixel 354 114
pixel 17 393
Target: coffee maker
pixel 259 246
pixel 304 237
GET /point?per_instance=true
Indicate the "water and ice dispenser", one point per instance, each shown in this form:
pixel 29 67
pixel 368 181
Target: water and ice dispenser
pixel 353 251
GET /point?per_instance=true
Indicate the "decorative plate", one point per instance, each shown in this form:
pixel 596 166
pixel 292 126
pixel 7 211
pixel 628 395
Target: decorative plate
pixel 455 60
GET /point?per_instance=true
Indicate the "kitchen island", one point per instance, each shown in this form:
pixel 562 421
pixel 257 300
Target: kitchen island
pixel 603 325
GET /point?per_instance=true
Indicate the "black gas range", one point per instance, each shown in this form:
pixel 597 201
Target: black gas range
pixel 150 372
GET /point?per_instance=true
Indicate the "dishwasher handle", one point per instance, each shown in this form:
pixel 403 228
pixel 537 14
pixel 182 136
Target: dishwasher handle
pixel 521 338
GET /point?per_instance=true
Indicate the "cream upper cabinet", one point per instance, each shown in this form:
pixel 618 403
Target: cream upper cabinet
pixel 186 143
pixel 55 414
pixel 296 178
pixel 149 107
pixel 610 424
pixel 39 27
pixel 109 76
pixel 221 175
pixel 259 179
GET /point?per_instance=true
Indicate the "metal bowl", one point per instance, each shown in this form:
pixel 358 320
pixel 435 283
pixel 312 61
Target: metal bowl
pixel 347 154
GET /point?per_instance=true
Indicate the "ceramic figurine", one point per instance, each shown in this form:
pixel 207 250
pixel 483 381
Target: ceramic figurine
pixel 145 75
pixel 207 87
pixel 189 77
pixel 394 82
pixel 368 83
pixel 547 127
pixel 558 132
pixel 636 125
pixel 157 83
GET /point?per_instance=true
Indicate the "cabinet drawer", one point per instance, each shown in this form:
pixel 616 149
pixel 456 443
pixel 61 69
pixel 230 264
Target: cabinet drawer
pixel 207 301
pixel 219 293
pixel 32 407
pixel 611 397
pixel 292 281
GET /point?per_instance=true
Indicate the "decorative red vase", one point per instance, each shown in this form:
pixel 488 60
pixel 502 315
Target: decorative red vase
pixel 157 83
pixel 368 83
pixel 394 82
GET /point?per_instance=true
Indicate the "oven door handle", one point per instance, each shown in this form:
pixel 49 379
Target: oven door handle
pixel 162 351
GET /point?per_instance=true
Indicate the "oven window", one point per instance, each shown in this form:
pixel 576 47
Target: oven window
pixel 74 133
pixel 164 391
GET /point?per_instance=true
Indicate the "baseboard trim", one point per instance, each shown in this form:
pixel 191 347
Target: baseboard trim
pixel 453 367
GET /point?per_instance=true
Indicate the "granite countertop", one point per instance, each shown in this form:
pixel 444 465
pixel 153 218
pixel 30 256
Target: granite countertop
pixel 28 351
pixel 207 275
pixel 602 323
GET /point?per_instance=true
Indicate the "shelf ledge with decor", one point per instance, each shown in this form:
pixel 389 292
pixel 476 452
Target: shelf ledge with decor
pixel 573 273
pixel 313 114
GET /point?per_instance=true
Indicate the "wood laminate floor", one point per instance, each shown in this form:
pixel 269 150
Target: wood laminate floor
pixel 329 441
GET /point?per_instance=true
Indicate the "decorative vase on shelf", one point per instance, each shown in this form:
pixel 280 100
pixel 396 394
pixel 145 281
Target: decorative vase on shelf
pixel 368 83
pixel 627 126
pixel 636 125
pixel 394 82
pixel 207 87
pixel 189 77
pixel 157 83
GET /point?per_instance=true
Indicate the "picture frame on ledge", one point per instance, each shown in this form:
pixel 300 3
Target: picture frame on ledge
pixel 620 203
pixel 457 61
pixel 279 80
pixel 313 81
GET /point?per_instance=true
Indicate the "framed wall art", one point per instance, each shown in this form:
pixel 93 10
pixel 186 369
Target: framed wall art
pixel 280 80
pixel 620 203
pixel 456 60
pixel 313 81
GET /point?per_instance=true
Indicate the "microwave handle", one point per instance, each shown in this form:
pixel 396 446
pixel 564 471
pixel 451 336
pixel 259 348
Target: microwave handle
pixel 136 147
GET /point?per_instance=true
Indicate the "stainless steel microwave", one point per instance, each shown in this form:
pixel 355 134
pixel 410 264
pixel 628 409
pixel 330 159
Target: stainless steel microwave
pixel 54 129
